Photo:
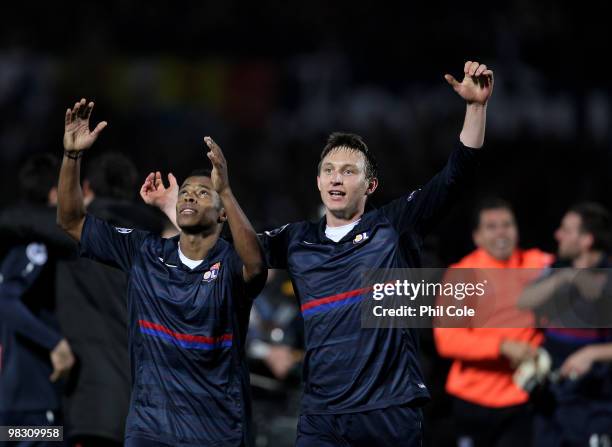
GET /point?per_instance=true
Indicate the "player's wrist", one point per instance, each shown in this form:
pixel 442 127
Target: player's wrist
pixel 476 106
pixel 168 209
pixel 226 193
pixel 73 154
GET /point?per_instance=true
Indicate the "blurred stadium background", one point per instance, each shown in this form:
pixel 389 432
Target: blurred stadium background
pixel 270 80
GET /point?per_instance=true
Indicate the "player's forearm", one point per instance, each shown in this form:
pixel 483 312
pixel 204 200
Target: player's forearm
pixel 473 132
pixel 244 236
pixel 70 206
pixel 602 352
pixel 170 212
pixel 538 293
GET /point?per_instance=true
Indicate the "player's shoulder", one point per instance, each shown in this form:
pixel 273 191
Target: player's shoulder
pixel 144 236
pixel 400 204
pixel 289 230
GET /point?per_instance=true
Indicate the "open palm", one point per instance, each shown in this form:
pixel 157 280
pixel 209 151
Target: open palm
pixel 77 136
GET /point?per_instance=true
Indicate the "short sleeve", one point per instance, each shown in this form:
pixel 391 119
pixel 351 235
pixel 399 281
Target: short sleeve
pixel 275 244
pixel 114 246
pixel 246 290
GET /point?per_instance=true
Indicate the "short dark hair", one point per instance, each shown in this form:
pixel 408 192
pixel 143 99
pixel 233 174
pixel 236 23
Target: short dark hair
pixel 353 142
pixel 490 203
pixel 112 175
pixel 200 172
pixel 597 221
pixel 37 176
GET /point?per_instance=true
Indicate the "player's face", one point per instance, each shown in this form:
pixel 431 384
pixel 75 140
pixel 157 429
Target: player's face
pixel 571 240
pixel 342 182
pixel 198 206
pixel 497 233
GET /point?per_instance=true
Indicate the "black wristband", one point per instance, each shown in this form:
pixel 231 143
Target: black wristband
pixel 73 155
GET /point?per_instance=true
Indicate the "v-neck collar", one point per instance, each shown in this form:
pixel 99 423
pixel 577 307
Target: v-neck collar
pixel 322 225
pixel 172 255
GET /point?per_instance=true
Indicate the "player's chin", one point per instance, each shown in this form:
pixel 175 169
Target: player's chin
pixel 335 206
pixel 193 223
pixel 183 220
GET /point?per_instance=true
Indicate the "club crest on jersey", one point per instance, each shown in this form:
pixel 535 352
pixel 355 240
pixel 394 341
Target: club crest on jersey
pixel 212 273
pixel 122 230
pixel 361 237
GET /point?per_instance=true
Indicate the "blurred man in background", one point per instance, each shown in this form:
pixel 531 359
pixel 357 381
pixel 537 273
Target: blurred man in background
pixel 489 409
pixel 275 350
pixel 577 410
pixel 92 311
pixel 34 354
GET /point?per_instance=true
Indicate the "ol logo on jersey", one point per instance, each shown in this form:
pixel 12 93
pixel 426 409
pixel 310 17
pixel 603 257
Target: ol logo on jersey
pixel 361 237
pixel 212 272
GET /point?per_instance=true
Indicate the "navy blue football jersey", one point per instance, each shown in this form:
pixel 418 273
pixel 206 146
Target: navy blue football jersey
pixel 190 382
pixel 348 368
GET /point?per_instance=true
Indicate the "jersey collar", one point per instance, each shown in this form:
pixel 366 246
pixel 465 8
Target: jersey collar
pixel 171 255
pixel 359 228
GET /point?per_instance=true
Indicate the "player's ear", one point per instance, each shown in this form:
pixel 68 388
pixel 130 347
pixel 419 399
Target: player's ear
pixel 587 241
pixel 222 216
pixel 52 196
pixel 372 185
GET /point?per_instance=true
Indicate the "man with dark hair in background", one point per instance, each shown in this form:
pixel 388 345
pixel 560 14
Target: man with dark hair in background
pixel 489 409
pixel 93 314
pixel 578 408
pixel 34 354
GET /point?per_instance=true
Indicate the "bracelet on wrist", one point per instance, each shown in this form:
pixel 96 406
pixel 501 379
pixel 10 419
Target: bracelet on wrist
pixel 73 155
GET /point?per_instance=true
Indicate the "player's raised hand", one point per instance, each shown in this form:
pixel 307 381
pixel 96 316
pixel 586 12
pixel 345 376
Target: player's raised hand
pixel 153 191
pixel 77 136
pixel 477 84
pixel 218 175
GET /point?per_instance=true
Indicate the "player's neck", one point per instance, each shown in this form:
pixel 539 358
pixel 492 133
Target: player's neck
pixel 587 260
pixel 340 219
pixel 197 246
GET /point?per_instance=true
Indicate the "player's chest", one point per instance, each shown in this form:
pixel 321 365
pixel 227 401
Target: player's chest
pixel 171 288
pixel 369 248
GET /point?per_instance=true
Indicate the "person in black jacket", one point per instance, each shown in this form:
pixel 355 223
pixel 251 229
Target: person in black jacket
pixel 34 354
pixel 93 314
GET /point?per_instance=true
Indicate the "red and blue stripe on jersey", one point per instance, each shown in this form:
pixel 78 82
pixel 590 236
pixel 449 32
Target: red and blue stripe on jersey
pixel 334 301
pixel 185 340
